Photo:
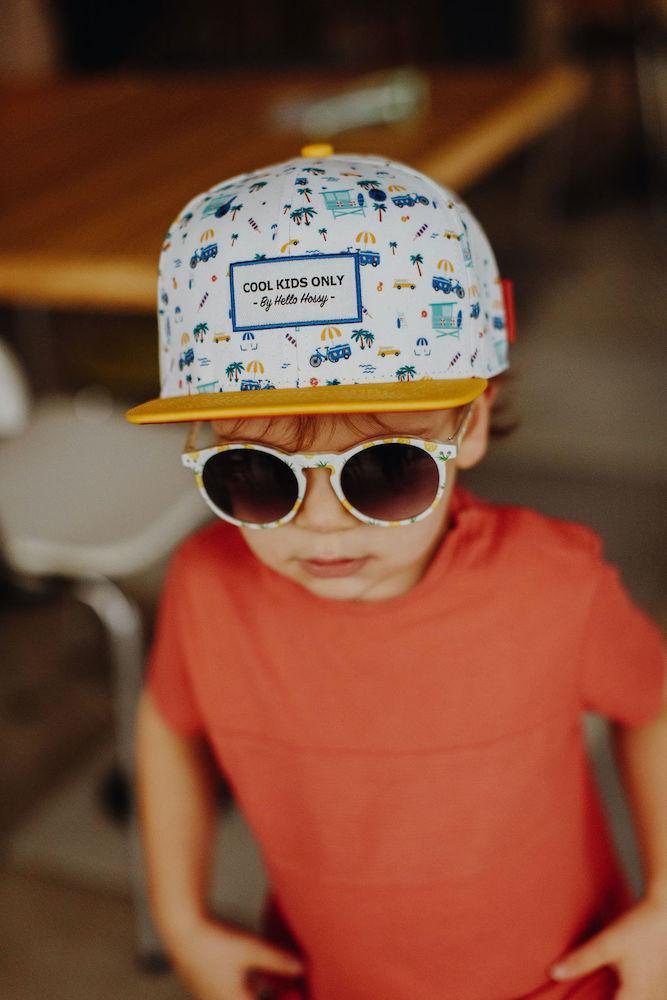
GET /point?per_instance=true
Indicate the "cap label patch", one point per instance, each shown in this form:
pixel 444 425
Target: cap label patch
pixel 295 291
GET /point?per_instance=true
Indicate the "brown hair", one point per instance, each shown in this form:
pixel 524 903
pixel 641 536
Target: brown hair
pixel 305 426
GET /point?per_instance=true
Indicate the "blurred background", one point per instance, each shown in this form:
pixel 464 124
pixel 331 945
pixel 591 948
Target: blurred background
pixel 549 116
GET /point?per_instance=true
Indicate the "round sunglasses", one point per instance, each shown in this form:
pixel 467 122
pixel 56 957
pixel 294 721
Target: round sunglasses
pixel 387 481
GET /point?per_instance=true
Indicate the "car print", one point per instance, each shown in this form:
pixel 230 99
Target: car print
pixel 403 283
pixel 186 358
pixel 220 338
pixel 451 235
pixel 408 200
pixel 448 285
pixel 206 253
pixel 337 353
pixel 385 352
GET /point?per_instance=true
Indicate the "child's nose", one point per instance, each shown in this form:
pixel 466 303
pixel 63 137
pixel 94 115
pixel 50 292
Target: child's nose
pixel 321 510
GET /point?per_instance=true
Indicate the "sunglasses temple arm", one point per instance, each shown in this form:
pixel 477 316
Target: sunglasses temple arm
pixel 191 440
pixel 457 436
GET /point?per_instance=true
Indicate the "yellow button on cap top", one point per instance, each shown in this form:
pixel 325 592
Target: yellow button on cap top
pixel 317 149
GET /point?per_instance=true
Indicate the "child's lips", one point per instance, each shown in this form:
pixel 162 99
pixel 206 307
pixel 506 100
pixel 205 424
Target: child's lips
pixel 332 567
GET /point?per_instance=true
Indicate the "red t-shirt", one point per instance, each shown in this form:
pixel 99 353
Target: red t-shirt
pixel 414 770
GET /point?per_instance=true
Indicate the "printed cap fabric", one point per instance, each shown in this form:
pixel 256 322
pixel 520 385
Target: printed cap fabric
pixel 325 272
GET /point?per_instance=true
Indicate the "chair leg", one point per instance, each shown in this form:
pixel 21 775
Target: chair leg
pixel 122 622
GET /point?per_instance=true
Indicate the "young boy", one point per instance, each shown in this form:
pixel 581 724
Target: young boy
pixel 390 672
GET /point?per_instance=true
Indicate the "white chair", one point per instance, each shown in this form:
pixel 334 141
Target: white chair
pixel 87 497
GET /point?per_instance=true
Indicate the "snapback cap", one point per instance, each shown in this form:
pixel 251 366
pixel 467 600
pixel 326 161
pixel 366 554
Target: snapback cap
pixel 325 284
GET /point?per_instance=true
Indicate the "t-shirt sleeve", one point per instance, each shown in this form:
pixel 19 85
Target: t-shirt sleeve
pixel 623 672
pixel 167 674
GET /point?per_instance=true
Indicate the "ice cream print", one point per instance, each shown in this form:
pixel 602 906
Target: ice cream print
pixel 332 271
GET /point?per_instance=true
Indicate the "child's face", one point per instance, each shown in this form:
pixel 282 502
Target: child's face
pixel 325 548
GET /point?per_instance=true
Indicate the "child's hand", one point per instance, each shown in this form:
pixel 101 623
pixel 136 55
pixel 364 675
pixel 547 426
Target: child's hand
pixel 635 944
pixel 218 962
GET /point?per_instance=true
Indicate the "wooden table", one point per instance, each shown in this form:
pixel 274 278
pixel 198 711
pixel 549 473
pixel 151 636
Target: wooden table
pixel 94 170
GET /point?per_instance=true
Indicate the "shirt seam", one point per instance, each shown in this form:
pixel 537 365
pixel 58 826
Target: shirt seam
pixel 575 723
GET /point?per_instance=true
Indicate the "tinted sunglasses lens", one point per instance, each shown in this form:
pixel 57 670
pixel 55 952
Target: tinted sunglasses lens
pixel 250 485
pixel 390 482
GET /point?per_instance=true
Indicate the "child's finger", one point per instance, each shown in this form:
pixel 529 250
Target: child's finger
pixel 267 956
pixel 590 956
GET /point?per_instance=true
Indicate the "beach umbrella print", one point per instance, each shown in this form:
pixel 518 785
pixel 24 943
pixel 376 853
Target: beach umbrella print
pixel 207 235
pixel 330 332
pixel 365 237
pixel 396 187
pixel 255 366
pixel 286 246
pixel 185 339
pixel 445 265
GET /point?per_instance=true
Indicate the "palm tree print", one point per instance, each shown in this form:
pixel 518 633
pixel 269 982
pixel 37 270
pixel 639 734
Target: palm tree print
pixel 286 208
pixel 235 236
pixel 199 331
pixel 188 379
pixel 305 191
pixel 417 259
pixel 332 381
pixel 314 170
pixel 233 370
pixel 305 214
pixel 256 186
pixel 405 373
pixel 363 337
pixel 323 233
pixel 235 209
pixel 379 208
pixel 393 244
pixel 260 256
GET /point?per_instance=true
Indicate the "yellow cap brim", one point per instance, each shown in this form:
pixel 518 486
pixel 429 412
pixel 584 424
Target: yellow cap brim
pixel 426 394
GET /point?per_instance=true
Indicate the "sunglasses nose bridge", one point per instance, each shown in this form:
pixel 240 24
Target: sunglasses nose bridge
pixel 315 463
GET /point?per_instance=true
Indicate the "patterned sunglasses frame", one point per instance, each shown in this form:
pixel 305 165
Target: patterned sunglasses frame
pixel 440 451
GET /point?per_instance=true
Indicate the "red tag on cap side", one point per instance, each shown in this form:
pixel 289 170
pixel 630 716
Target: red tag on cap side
pixel 510 316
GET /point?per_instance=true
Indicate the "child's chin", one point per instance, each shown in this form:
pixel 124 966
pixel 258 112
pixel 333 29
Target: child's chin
pixel 346 588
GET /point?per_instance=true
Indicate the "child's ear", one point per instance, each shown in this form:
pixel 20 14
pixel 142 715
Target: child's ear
pixel 476 438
